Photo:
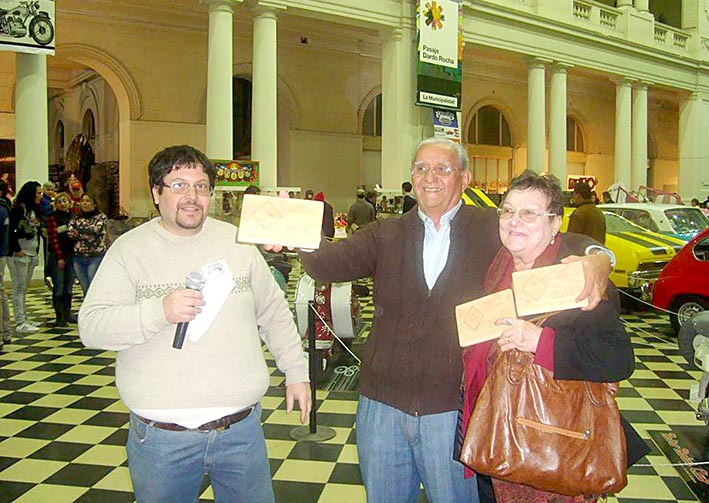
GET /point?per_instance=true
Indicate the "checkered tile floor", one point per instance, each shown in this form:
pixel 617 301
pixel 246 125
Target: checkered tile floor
pixel 63 428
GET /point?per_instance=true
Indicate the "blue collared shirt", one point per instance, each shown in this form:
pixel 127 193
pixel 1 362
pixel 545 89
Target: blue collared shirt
pixel 436 243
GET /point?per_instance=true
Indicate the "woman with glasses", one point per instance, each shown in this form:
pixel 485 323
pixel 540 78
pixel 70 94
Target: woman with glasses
pixel 573 344
pixel 89 234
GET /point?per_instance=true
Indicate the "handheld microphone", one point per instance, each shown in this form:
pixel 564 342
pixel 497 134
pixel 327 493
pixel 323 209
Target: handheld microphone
pixel 195 281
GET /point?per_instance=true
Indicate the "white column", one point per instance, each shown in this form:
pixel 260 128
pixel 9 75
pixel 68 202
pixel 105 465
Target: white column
pixel 693 151
pixel 264 105
pixel 642 5
pixel 31 129
pixel 220 130
pixel 623 90
pixel 557 123
pixel 536 125
pixel 401 129
pixel 624 3
pixel 639 132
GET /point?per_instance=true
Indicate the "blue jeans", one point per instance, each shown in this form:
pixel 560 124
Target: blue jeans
pixel 62 279
pixel 85 269
pixel 397 452
pixel 169 466
pixel 4 306
pixel 21 269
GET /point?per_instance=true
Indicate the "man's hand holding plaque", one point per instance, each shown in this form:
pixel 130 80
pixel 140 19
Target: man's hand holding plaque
pixel 289 222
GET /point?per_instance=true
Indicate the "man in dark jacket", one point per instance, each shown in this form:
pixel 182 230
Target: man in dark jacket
pixel 328 216
pixel 586 218
pixel 361 212
pixel 423 265
pixel 409 200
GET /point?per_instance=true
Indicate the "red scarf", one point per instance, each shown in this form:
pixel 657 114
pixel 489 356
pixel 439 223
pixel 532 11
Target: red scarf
pixel 478 359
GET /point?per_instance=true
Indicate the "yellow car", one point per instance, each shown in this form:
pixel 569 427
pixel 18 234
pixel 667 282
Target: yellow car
pixel 640 254
pixel 477 197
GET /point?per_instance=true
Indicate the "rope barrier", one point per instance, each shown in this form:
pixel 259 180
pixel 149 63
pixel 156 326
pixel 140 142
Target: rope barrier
pixel 332 332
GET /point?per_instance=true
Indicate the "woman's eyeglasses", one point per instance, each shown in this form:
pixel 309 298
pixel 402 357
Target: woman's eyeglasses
pixel 525 214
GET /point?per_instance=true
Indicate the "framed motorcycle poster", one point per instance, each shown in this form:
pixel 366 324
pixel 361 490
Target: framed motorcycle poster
pixel 27 26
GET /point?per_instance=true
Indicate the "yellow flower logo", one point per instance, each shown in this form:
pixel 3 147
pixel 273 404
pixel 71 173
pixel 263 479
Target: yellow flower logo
pixel 434 15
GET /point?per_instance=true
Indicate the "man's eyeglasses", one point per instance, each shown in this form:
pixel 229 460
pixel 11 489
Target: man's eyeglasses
pixel 421 169
pixel 180 187
pixel 525 214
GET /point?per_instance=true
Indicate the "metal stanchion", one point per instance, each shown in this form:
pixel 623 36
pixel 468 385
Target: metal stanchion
pixel 312 432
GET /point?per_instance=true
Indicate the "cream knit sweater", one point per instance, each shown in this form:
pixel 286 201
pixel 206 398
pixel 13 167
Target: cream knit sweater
pixel 226 367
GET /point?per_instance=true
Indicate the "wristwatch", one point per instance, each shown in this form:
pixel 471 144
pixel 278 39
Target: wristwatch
pixel 593 249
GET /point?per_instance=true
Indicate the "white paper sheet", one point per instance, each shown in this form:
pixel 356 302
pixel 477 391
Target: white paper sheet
pixel 219 283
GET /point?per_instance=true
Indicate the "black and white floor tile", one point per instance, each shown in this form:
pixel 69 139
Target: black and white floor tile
pixel 63 427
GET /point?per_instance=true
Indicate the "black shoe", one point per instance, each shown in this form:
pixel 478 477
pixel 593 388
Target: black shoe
pixel 59 324
pixel 73 318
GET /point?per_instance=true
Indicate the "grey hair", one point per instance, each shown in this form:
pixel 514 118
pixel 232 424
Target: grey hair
pixel 460 152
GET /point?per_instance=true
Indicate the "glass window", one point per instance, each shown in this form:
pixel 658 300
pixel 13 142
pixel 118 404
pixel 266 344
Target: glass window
pixel 59 142
pixel 489 127
pixel 616 224
pixel 686 220
pixel 241 117
pixel 574 138
pixel 701 250
pixel 88 126
pixel 372 120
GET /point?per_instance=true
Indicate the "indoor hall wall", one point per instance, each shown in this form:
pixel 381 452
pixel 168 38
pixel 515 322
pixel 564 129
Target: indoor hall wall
pixel 7 86
pixel 147 138
pixel 328 85
pixel 7 126
pixel 168 66
pixel 590 100
pixel 70 106
pixel 504 86
pixel 663 124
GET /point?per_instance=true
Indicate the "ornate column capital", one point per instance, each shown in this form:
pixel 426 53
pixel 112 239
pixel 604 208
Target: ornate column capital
pixel 265 8
pixel 559 67
pixel 220 5
pixel 534 63
pixel 622 81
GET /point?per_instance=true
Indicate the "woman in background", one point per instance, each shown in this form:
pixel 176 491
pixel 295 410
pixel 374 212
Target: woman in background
pixel 61 259
pixel 89 234
pixel 24 250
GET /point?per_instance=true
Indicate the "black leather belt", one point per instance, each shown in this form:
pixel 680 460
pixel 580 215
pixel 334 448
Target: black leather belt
pixel 223 423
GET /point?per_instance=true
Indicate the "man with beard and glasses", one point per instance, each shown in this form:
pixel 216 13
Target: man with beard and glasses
pixel 194 410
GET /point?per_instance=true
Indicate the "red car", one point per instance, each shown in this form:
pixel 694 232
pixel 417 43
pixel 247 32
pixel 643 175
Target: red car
pixel 683 284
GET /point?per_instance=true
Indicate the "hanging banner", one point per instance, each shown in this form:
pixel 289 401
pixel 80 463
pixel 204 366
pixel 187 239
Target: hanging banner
pixel 440 53
pixel 236 173
pixel 446 124
pixel 27 26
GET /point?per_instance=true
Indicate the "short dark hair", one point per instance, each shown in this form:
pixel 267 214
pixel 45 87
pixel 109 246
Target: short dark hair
pixel 406 187
pixel 583 190
pixel 546 184
pixel 175 157
pixel 252 189
pixel 27 195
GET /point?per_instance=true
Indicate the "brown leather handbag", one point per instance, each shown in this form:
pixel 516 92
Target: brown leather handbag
pixel 559 436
